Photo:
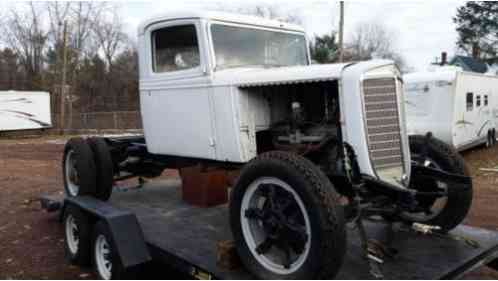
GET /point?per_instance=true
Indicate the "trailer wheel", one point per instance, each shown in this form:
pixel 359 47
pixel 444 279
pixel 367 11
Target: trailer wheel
pixel 106 262
pixel 286 219
pixel 449 211
pixel 78 168
pixel 104 165
pixel 77 234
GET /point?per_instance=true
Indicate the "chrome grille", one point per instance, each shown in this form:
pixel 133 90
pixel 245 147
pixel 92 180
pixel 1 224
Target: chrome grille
pixel 382 122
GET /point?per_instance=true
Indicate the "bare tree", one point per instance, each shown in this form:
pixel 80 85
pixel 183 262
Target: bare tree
pixel 58 13
pixel 80 18
pixel 110 36
pixel 373 40
pixel 24 33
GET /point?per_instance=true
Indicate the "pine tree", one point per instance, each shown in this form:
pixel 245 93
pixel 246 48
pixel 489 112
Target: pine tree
pixel 324 49
pixel 477 27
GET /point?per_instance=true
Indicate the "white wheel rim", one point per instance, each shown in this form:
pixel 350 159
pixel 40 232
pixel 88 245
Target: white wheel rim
pixel 102 257
pixel 255 235
pixel 72 234
pixel 71 174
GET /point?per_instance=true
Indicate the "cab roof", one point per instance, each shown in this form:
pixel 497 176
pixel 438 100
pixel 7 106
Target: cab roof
pixel 219 16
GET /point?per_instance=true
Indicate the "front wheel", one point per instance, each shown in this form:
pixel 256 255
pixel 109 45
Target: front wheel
pixel 449 211
pixel 286 219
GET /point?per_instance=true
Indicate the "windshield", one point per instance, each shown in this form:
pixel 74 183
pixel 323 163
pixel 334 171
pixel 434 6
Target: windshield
pixel 241 46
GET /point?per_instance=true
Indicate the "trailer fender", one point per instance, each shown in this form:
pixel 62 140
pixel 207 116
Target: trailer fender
pixel 126 233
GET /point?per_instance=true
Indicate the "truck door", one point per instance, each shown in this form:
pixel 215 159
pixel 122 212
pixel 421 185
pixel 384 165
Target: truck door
pixel 174 91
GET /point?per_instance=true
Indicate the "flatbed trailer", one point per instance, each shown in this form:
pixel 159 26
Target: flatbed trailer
pixel 186 238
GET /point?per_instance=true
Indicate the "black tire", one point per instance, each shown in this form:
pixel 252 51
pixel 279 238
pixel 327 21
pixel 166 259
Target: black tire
pixel 493 137
pixel 104 168
pixel 84 165
pixel 80 256
pixel 458 201
pixel 328 237
pixel 117 270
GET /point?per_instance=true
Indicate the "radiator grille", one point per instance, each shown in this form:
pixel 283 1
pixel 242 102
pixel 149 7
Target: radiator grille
pixel 382 122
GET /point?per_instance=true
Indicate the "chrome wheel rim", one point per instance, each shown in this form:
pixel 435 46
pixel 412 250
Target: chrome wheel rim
pixel 103 257
pixel 72 234
pixel 72 178
pixel 271 213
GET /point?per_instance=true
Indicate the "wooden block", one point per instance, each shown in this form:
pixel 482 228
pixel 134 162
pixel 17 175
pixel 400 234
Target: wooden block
pixel 204 188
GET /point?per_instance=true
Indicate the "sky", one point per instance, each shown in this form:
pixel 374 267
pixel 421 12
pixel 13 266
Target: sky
pixel 423 29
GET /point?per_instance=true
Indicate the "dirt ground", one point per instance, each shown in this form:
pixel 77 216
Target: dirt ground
pixel 31 241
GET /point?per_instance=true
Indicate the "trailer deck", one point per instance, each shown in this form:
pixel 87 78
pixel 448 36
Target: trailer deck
pixel 186 238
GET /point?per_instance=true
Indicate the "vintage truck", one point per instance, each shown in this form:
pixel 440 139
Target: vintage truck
pixel 317 146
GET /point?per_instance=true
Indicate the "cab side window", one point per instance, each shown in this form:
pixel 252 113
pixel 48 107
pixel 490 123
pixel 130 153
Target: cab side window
pixel 175 48
pixel 485 100
pixel 470 101
pixel 478 101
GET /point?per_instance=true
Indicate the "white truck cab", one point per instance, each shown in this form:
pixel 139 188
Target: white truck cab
pixel 202 78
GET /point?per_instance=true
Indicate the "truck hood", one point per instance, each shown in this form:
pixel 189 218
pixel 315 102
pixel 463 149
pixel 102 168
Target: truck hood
pixel 252 76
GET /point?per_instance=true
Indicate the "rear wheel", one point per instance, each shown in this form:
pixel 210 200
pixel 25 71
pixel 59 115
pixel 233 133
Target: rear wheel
pixel 104 168
pixel 79 169
pixel 448 211
pixel 286 219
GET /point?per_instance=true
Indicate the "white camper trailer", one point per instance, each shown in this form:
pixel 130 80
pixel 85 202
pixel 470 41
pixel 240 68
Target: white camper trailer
pixel 457 107
pixel 24 110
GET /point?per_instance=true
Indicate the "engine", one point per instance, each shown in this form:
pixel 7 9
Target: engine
pixel 312 119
